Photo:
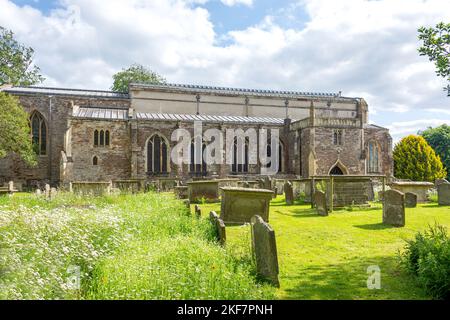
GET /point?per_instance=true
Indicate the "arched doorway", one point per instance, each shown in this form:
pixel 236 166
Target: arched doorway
pixel 336 171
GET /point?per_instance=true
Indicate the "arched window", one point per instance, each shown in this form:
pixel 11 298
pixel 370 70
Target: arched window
pixel 39 133
pixel 157 155
pixel 240 166
pixel 95 161
pixel 199 169
pixel 337 137
pixel 96 138
pixel 102 138
pixel 107 138
pixel 280 155
pixel 372 163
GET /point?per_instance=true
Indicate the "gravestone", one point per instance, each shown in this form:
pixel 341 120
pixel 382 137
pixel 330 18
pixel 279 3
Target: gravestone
pixel 38 192
pixel 47 191
pixel 267 183
pixel 380 195
pixel 320 202
pixel 181 192
pixel 187 203
pixel 239 205
pixel 394 208
pixel 265 250
pixel 289 193
pixel 53 193
pixel 444 194
pixel 440 181
pixel 198 211
pixel 275 192
pixel 410 200
pixel 219 227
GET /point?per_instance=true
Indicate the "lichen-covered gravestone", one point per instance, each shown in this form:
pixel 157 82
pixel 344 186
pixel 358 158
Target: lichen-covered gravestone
pixel 394 208
pixel 320 202
pixel 47 191
pixel 444 194
pixel 239 205
pixel 219 227
pixel 275 192
pixel 289 193
pixel 410 200
pixel 265 250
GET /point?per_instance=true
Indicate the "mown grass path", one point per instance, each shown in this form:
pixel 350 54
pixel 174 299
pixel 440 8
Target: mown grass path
pixel 327 257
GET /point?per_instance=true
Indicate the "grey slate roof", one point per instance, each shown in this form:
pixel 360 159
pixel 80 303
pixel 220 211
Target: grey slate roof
pixel 66 92
pixel 101 113
pixel 208 118
pixel 234 91
pixel 122 114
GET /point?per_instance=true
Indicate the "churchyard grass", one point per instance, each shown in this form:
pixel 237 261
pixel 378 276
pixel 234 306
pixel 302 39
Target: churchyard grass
pixel 127 247
pixel 328 257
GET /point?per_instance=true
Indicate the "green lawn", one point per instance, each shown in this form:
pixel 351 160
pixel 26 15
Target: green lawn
pixel 327 257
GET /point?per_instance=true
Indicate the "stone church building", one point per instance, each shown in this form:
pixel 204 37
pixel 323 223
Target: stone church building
pixel 91 135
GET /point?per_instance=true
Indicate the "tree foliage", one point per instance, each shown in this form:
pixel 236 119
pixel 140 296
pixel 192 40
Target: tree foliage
pixel 135 73
pixel 15 130
pixel 414 159
pixel 16 62
pixel 439 139
pixel 436 45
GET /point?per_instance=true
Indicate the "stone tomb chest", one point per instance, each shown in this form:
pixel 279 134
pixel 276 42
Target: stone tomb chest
pixel 420 188
pixel 239 205
pixel 207 189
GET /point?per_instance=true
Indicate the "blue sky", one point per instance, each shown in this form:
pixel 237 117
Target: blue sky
pixel 362 48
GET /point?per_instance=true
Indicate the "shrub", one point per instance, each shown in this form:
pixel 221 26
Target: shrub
pixel 428 257
pixel 414 159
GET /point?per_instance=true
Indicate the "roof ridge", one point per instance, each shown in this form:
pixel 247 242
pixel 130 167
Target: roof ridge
pixel 235 89
pixel 66 88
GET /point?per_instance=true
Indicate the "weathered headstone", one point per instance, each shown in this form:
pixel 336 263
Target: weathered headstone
pixel 70 187
pixel 289 193
pixel 53 193
pixel 181 192
pixel 444 194
pixel 239 205
pixel 275 193
pixel 187 203
pixel 198 211
pixel 267 183
pixel 440 181
pixel 410 200
pixel 219 227
pixel 38 192
pixel 265 250
pixel 394 208
pixel 47 191
pixel 11 186
pixel 320 202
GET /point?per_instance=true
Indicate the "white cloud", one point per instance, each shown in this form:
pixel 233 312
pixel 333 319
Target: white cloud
pixel 231 3
pixel 364 48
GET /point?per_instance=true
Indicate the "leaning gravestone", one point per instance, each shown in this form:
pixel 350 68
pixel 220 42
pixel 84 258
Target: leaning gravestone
pixel 444 194
pixel 410 200
pixel 219 227
pixel 320 202
pixel 289 193
pixel 265 250
pixel 394 208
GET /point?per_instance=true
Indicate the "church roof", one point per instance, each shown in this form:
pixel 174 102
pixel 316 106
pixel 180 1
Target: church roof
pixel 66 92
pixel 235 91
pixel 122 114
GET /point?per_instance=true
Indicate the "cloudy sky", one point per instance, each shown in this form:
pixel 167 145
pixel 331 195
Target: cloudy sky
pixel 362 48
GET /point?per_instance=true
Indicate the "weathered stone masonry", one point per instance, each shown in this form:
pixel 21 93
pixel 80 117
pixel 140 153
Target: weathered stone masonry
pixel 319 132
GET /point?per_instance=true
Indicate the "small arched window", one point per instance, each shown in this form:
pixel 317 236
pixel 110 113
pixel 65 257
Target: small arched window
pixel 102 137
pixel 95 161
pixel 337 137
pixel 39 133
pixel 96 138
pixel 107 138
